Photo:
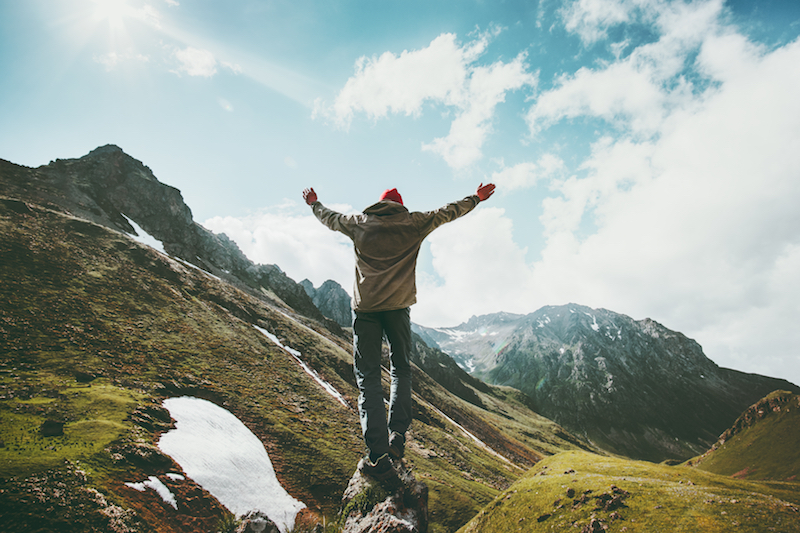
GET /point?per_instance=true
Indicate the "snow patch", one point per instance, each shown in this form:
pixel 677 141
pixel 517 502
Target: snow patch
pixel 190 265
pixel 455 335
pixel 144 237
pixel 467 366
pixel 470 435
pixel 154 483
pixel 218 452
pixel 310 371
pixel 594 322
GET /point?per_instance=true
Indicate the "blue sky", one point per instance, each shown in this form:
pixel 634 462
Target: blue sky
pixel 645 151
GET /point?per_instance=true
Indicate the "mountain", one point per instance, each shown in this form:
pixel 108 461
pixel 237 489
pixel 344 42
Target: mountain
pixel 111 188
pixel 631 387
pixel 98 331
pixel 332 301
pixel 761 444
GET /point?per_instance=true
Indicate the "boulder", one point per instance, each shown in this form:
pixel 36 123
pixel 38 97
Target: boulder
pixel 257 522
pixel 369 508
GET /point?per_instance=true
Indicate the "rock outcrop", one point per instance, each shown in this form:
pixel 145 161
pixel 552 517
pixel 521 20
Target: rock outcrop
pixel 257 522
pixel 368 508
pixel 772 403
pixel 332 301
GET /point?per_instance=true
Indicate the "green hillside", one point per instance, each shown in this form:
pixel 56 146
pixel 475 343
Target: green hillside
pixel 96 330
pixel 764 444
pixel 580 491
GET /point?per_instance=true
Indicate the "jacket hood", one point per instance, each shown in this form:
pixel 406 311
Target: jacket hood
pixel 385 208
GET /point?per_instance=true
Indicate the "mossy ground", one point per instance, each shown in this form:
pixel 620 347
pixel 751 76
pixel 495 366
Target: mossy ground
pixel 561 492
pixel 93 415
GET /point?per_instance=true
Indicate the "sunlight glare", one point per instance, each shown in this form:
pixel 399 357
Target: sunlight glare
pixel 113 11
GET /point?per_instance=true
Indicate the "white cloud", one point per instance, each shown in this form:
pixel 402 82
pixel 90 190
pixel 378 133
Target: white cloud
pixel 487 87
pixel 637 92
pixel 150 15
pixel 481 270
pixel 196 62
pixel 111 59
pixel 401 83
pixel 525 175
pixel 442 73
pixel 591 19
pixel 233 67
pixel 291 237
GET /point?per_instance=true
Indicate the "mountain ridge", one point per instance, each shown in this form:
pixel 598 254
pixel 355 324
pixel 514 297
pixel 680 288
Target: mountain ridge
pixel 108 187
pixel 632 387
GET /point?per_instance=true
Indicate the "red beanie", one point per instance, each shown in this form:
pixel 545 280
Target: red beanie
pixel 393 195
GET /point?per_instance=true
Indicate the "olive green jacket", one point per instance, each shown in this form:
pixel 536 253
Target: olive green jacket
pixel 387 238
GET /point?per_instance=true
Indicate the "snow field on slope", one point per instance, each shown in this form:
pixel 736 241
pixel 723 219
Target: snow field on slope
pixel 310 371
pixel 218 452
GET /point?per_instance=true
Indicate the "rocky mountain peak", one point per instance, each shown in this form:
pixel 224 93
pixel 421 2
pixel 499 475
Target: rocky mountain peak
pixel 111 188
pixel 332 301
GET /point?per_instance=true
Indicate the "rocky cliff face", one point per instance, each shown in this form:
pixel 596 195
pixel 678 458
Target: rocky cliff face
pixel 772 403
pixel 332 301
pixel 634 387
pixel 109 187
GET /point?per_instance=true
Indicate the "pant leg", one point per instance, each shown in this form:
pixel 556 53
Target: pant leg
pixel 397 325
pixel 367 338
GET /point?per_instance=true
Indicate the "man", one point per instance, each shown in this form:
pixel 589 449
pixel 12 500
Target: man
pixel 387 238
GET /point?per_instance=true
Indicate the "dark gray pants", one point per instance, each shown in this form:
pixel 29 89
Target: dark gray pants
pixel 368 330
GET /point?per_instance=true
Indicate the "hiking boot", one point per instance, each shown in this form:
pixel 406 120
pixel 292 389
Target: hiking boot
pixel 397 445
pixel 381 471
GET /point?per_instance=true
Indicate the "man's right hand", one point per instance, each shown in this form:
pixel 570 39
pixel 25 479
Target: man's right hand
pixel 485 191
pixel 310 196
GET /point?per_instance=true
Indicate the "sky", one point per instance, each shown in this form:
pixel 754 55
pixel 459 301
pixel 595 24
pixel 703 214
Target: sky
pixel 646 152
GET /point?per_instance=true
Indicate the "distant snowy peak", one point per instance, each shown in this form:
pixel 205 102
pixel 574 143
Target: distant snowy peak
pixel 631 386
pixel 477 343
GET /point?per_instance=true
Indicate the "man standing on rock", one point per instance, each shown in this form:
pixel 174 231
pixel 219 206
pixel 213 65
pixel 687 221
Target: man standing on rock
pixel 387 238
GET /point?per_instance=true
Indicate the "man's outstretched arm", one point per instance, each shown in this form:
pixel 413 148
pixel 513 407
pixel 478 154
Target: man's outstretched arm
pixel 429 221
pixel 332 219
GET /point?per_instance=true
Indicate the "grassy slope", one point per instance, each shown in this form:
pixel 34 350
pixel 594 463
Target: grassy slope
pixel 78 299
pixel 656 497
pixel 767 450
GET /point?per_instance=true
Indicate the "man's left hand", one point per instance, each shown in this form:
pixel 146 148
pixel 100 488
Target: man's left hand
pixel 485 191
pixel 310 196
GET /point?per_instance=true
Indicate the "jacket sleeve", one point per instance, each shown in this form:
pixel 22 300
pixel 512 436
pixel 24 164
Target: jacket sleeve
pixel 332 219
pixel 430 220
